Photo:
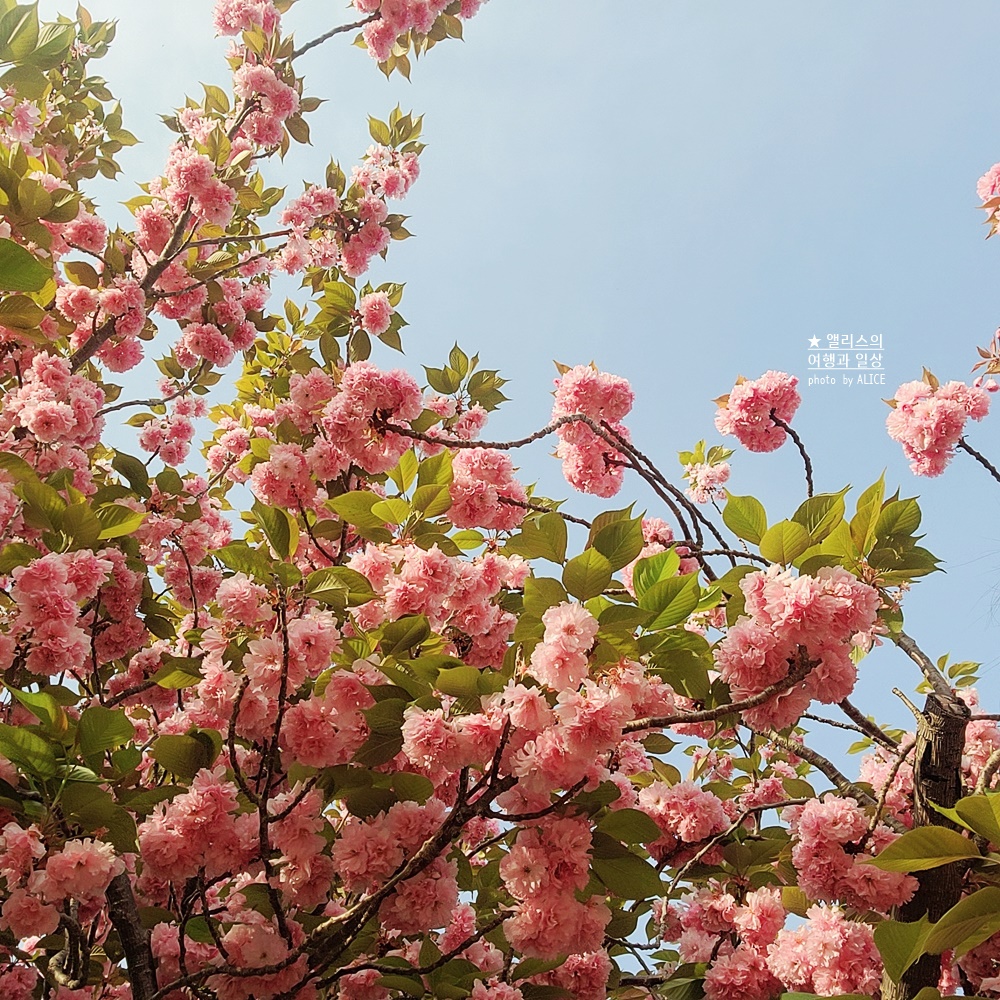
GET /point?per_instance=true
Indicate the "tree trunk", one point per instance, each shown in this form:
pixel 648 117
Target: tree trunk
pixel 937 778
pixel 134 937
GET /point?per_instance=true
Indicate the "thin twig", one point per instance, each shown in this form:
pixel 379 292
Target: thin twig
pixel 790 431
pixel 796 676
pixel 333 31
pixel 981 459
pixel 527 505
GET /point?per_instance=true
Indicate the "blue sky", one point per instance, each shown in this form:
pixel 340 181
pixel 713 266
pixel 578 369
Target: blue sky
pixel 681 193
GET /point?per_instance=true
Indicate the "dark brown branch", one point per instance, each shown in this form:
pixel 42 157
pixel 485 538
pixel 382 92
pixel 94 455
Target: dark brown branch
pixel 869 728
pixel 134 938
pixel 527 505
pixel 981 459
pixel 330 34
pixel 795 676
pixel 790 431
pixel 933 676
pixel 182 391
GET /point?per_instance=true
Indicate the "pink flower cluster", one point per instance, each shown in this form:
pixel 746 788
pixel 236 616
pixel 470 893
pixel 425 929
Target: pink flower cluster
pixel 234 16
pixel 367 852
pixel 459 597
pixel 560 661
pixel 376 312
pixel 827 955
pixel 348 420
pixel 544 870
pixel 684 813
pixel 746 411
pixel 191 183
pixel 784 614
pixel 929 420
pixel 397 17
pixel 483 480
pixel 828 859
pixel 55 407
pixel 590 464
pixel 706 481
pixel 48 593
pixel 276 101
pixel 199 829
pixel 385 173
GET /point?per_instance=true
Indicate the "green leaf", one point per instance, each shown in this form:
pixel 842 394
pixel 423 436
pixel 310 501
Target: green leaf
pixel 379 131
pixel 900 945
pixel 820 514
pixel 655 569
pixel 460 682
pixel 338 298
pixel 400 636
pixel 178 672
pixel 20 312
pixel 745 517
pixel 979 813
pixel 784 542
pixel 117 520
pixel 541 538
pixel 21 271
pixel 866 516
pixel 620 542
pixel 923 848
pixel 241 558
pixel 339 586
pixel 28 751
pixel 45 708
pixel 393 511
pixel 432 500
pixel 134 471
pixel 356 508
pixel 542 593
pixel 898 517
pixel 587 575
pixel 628 876
pixel 103 729
pixel 629 825
pixel 277 525
pixel 17 554
pixel 19 32
pixel 184 756
pixel 672 600
pixel 967 924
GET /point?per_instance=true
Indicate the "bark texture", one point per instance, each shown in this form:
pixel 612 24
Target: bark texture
pixel 937 778
pixel 134 937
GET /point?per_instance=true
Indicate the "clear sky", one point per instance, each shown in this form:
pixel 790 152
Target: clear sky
pixel 680 192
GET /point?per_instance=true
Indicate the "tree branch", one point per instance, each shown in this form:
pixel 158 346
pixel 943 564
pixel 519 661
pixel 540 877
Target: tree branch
pixel 134 938
pixel 933 676
pixel 793 434
pixel 333 31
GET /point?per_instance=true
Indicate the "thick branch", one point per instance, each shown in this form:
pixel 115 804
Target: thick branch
pixel 931 673
pixel 937 780
pixel 134 937
pixel 869 728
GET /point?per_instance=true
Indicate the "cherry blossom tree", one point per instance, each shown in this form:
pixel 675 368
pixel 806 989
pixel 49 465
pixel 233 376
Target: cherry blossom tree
pixel 353 712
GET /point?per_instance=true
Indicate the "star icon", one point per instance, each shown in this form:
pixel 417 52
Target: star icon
pixel 814 341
